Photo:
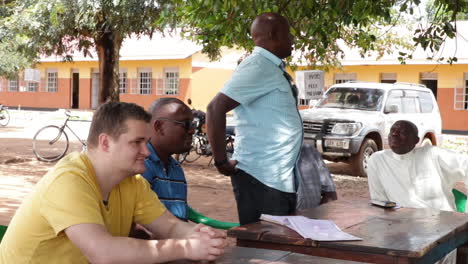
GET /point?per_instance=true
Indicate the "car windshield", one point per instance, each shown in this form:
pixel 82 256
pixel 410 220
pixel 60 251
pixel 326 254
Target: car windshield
pixel 352 98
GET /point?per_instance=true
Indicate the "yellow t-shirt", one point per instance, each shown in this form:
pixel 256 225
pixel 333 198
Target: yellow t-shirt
pixel 68 195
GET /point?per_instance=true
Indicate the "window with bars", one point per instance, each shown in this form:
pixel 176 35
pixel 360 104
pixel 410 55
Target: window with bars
pixel 461 93
pixel 123 82
pixel 32 86
pixel 171 82
pixel 13 85
pixel 144 82
pixel 52 86
pixel 344 77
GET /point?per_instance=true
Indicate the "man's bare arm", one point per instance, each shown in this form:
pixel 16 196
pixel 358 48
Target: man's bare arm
pixel 101 247
pixel 216 125
pixel 169 226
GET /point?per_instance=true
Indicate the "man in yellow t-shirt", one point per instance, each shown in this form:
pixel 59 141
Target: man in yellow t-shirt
pixel 82 210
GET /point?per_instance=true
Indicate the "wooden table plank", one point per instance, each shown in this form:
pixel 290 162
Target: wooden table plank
pixel 243 255
pixel 391 235
pixel 305 259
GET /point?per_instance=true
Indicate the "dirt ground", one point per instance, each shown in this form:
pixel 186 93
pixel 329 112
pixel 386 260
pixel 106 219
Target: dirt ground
pixel 209 192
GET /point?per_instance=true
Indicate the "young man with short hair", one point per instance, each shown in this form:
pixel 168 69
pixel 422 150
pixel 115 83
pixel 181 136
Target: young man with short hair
pixel 82 210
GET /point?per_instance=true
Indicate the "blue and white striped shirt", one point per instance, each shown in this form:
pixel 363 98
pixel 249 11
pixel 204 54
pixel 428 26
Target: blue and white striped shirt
pixel 170 185
pixel 269 129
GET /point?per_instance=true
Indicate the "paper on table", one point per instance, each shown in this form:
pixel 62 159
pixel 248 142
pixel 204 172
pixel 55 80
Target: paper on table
pixel 319 230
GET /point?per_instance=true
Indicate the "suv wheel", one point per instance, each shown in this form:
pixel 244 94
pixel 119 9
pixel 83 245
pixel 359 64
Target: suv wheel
pixel 360 160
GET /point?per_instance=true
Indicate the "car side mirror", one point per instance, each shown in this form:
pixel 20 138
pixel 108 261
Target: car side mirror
pixel 391 109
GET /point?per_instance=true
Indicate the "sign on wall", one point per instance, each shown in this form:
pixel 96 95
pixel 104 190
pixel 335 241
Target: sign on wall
pixel 310 84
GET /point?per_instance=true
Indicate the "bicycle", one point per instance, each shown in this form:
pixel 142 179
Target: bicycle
pixel 51 143
pixel 4 115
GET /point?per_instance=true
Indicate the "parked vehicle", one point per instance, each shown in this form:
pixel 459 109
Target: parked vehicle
pixel 200 144
pixel 353 119
pixel 4 115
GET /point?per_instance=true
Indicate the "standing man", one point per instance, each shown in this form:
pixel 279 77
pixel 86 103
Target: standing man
pixel 81 211
pixel 172 130
pixel 269 131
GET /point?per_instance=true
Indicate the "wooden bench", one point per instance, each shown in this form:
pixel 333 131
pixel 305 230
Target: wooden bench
pixel 243 255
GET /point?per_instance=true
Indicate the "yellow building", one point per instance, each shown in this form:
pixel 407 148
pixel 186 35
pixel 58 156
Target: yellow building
pixel 169 66
pixel 149 69
pixel 449 83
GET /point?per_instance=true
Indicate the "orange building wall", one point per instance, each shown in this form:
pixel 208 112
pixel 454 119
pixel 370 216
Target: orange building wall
pixel 59 99
pixel 451 119
pixel 84 98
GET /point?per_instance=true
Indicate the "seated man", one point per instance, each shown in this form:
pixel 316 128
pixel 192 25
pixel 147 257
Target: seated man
pixel 172 130
pixel 82 210
pixel 415 177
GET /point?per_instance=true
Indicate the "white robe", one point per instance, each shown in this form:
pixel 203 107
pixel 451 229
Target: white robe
pixel 422 178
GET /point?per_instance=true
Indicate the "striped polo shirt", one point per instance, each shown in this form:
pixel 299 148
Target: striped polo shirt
pixel 170 185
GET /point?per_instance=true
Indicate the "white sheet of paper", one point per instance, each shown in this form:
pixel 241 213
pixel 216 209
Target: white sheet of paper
pixel 319 230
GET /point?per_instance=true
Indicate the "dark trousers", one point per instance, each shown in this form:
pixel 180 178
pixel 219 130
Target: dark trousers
pixel 255 198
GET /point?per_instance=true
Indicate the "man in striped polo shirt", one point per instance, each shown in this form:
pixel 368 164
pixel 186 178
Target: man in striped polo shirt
pixel 172 131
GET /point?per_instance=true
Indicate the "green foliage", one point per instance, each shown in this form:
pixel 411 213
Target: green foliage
pixel 317 25
pixel 32 27
pixel 62 27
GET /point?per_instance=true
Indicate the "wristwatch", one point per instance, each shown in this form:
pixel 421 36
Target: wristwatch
pixel 221 162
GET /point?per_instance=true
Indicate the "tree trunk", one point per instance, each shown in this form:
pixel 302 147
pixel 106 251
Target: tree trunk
pixel 108 50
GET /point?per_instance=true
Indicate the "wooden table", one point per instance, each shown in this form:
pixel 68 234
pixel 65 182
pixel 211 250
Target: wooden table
pixel 242 255
pixel 402 235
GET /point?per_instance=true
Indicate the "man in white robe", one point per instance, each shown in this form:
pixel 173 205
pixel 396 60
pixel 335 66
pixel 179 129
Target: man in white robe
pixel 416 177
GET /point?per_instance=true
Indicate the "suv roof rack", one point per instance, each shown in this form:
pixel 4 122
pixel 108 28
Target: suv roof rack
pixel 355 81
pixel 411 84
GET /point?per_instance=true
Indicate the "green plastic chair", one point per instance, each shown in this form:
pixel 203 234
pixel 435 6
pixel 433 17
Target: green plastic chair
pixel 460 200
pixel 198 218
pixel 2 231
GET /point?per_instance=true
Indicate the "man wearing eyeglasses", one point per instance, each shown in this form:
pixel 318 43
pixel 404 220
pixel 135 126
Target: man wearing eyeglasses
pixel 172 129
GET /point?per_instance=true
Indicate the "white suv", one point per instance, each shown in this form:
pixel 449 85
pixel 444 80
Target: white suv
pixel 353 119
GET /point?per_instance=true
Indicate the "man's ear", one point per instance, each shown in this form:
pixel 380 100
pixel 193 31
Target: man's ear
pixel 417 139
pixel 158 127
pixel 104 142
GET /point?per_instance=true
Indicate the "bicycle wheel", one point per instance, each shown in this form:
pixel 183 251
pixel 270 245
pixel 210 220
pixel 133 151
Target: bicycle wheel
pixel 194 152
pixel 50 143
pixel 4 117
pixel 181 157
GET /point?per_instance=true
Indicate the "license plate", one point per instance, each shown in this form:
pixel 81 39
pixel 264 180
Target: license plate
pixel 337 143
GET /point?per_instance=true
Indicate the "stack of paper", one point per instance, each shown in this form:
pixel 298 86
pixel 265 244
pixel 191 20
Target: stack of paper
pixel 318 230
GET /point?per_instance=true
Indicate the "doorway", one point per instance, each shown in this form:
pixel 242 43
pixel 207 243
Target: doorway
pixel 430 80
pixel 75 90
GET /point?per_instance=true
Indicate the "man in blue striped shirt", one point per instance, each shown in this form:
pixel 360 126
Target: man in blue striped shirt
pixel 269 130
pixel 172 131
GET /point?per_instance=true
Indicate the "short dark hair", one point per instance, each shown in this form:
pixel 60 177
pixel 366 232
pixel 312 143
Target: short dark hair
pixel 409 125
pixel 110 118
pixel 159 104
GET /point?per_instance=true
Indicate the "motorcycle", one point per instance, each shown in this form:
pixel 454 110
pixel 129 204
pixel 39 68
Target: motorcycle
pixel 200 144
